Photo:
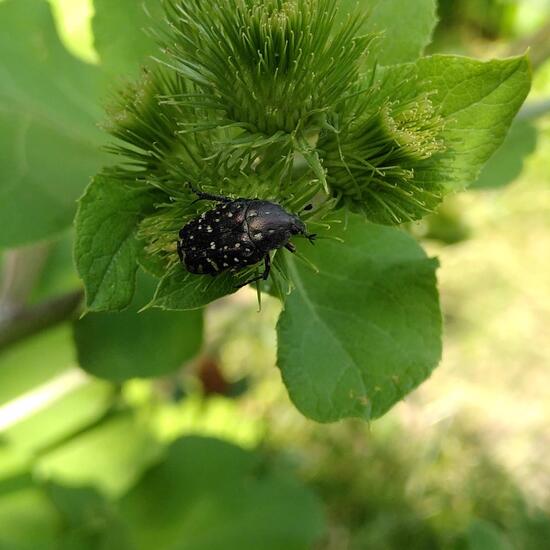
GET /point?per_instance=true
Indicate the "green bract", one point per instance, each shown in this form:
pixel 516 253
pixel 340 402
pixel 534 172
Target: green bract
pixel 298 101
pixel 385 137
pixel 267 66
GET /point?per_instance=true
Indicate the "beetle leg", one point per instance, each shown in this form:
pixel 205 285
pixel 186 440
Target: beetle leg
pixel 267 264
pixel 290 247
pixel 264 275
pixel 253 280
pixel 180 251
pixel 310 237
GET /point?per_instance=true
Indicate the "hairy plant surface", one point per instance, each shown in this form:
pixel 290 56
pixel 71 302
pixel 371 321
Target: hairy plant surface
pixel 300 102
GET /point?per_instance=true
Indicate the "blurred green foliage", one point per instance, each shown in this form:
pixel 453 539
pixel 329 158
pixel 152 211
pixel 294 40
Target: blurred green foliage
pixel 491 19
pixel 88 464
pixel 488 18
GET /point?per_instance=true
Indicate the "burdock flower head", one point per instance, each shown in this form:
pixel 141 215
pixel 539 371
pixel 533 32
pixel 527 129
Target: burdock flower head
pixel 262 124
pixel 285 101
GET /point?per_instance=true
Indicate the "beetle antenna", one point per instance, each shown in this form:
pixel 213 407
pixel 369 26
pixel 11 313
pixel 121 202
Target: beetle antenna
pixel 193 188
pixel 207 196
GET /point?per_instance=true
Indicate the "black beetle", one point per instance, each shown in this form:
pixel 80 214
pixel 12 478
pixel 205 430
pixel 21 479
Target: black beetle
pixel 235 234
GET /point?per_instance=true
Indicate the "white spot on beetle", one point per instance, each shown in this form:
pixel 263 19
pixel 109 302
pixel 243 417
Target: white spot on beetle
pixel 271 231
pixel 252 214
pixel 258 236
pixel 225 265
pixel 238 245
pixel 209 229
pixel 230 215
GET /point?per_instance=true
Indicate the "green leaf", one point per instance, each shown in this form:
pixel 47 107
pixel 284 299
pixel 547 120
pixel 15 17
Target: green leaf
pixel 28 519
pixel 77 505
pixel 180 290
pixel 49 141
pixel 119 346
pixel 54 517
pixel 106 247
pixel 478 101
pixel 209 495
pixel 89 520
pixel 406 28
pixel 121 33
pixel 483 535
pixel 110 457
pixel 506 164
pixel 35 361
pixel 356 338
pixel 69 413
pixel 13 465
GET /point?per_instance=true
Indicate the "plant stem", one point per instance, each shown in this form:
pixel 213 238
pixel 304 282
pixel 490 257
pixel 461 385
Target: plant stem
pixel 538 45
pixel 535 109
pixel 26 321
pixel 21 269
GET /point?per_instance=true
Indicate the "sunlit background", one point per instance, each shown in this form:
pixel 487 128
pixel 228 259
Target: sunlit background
pixel 463 462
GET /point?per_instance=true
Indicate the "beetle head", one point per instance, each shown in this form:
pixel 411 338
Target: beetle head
pixel 299 228
pixel 270 223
